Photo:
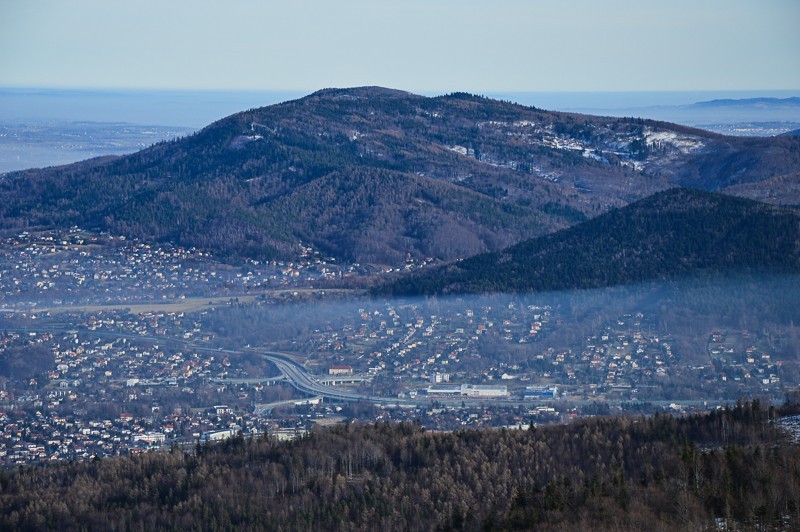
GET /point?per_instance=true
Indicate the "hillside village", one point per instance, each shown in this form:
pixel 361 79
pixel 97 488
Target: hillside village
pixel 79 267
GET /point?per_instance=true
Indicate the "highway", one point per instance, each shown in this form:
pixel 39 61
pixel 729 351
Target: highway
pixel 254 380
pixel 304 382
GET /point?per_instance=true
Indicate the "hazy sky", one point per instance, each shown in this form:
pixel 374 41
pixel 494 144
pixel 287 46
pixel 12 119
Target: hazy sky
pixel 417 45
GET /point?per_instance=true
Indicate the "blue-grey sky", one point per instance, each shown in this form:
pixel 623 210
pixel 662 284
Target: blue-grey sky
pixel 417 45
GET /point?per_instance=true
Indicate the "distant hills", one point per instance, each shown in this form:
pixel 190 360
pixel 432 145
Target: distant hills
pixel 372 174
pixel 678 232
pixel 762 103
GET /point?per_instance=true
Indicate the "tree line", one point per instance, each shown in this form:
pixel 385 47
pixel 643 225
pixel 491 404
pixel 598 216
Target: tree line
pixel 660 473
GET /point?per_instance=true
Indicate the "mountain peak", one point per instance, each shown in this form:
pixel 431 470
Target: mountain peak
pixel 371 92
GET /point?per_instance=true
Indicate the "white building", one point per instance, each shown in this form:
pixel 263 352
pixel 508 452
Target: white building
pixel 150 438
pixel 216 435
pixel 477 390
pixel 468 390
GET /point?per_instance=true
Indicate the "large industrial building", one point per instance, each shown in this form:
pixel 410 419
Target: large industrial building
pixel 467 390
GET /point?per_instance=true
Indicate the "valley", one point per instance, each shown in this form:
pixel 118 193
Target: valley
pixel 392 276
pixel 399 266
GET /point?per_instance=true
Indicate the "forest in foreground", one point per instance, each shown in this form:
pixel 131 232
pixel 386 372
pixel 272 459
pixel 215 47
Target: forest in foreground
pixel 732 467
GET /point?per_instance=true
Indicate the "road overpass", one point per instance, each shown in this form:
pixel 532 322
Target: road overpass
pixel 304 382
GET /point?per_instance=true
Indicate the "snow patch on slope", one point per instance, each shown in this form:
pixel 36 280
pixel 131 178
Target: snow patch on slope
pixel 686 144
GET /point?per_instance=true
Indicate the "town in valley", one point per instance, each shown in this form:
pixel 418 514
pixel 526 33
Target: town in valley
pixel 113 346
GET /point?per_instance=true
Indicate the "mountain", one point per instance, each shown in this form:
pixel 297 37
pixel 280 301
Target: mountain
pixel 371 174
pixel 678 232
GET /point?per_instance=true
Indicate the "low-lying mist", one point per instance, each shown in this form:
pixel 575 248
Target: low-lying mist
pixel 686 310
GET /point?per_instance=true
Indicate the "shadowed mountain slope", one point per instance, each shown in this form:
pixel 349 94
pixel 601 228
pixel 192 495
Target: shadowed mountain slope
pixel 678 232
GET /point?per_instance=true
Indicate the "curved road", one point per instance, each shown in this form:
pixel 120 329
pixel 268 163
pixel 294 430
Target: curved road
pixel 304 382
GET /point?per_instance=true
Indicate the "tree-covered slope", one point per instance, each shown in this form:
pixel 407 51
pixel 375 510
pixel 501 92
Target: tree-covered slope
pixel 661 473
pixel 487 172
pixel 678 232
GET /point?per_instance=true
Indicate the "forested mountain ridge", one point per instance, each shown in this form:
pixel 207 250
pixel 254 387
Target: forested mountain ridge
pixel 675 233
pixel 732 467
pixel 371 174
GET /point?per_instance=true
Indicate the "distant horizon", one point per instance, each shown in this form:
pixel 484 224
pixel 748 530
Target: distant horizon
pixel 423 92
pixel 199 107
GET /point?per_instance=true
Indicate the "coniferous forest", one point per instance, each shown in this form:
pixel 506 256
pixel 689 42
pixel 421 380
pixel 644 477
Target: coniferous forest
pixel 676 233
pixel 732 468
